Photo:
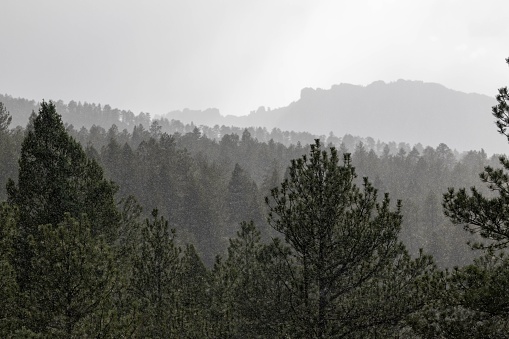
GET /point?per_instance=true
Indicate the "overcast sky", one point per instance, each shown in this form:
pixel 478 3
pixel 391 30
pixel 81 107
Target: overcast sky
pixel 234 55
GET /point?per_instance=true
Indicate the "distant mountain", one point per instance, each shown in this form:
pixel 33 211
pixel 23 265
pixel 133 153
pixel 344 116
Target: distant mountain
pixel 410 111
pixel 403 111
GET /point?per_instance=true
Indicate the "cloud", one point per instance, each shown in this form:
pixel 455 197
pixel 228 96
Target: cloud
pixel 237 55
pixel 489 28
pixel 478 53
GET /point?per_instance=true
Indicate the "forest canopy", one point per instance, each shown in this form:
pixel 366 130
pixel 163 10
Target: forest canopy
pixel 109 233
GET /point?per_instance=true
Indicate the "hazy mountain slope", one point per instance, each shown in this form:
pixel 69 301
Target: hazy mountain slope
pixel 408 111
pixel 85 115
pixel 412 111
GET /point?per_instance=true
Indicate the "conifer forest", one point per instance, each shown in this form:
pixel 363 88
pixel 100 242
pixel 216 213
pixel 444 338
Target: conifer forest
pixel 116 225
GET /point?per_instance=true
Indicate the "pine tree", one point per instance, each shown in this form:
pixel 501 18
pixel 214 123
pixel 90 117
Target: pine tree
pixel 488 217
pixel 55 178
pixel 193 297
pixel 252 282
pixel 75 278
pixel 156 266
pixel 237 290
pixel 343 250
pixel 9 291
pixel 8 149
pixel 242 200
pixel 5 119
pixel 475 302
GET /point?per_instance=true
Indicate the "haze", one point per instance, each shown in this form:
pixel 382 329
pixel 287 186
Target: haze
pixel 158 56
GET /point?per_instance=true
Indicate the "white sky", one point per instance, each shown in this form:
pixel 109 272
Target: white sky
pixel 236 55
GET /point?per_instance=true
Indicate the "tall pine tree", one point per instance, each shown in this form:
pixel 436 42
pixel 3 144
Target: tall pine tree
pixel 350 275
pixel 56 177
pixel 57 185
pixel 476 300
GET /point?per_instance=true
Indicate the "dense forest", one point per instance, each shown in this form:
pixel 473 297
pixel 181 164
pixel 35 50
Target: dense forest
pixel 207 180
pixel 153 228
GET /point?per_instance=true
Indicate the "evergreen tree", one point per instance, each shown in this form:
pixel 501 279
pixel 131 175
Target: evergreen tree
pixel 155 274
pixel 8 149
pixel 193 297
pixel 223 316
pixel 75 278
pixel 238 291
pixel 56 177
pixel 488 217
pixel 271 179
pixel 256 297
pixel 242 200
pixel 9 291
pixel 344 250
pixel 476 298
pixel 5 119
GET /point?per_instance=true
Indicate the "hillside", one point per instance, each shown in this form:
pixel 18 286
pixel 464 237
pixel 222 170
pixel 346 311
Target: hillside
pixel 209 225
pixel 409 111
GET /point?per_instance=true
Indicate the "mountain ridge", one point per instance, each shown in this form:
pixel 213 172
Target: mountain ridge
pixel 404 110
pixel 409 110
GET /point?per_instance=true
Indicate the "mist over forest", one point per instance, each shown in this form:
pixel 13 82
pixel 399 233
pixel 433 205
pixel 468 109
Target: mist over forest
pixel 426 113
pixel 318 219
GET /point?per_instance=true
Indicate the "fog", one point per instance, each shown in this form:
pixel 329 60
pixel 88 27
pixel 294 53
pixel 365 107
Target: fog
pixel 159 56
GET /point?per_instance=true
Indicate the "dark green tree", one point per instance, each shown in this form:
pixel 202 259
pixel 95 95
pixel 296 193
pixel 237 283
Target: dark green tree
pixel 243 203
pixel 476 299
pixel 75 278
pixel 261 299
pixel 55 178
pixel 9 149
pixel 156 266
pixel 222 314
pixel 193 297
pixel 238 300
pixel 271 179
pixel 248 289
pixel 487 216
pixel 345 257
pixel 9 291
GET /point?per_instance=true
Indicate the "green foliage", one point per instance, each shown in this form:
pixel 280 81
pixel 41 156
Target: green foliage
pixel 487 216
pixel 475 302
pixel 186 176
pixel 345 254
pixel 242 201
pixel 339 271
pixel 154 278
pixel 248 294
pixel 221 309
pixel 55 178
pixel 9 291
pixel 479 214
pixel 483 285
pixel 471 301
pixel 501 111
pixel 5 119
pixel 9 148
pixel 75 278
pixel 193 303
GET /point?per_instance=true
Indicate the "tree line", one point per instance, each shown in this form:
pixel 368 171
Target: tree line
pixel 80 258
pixel 75 263
pixel 206 187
